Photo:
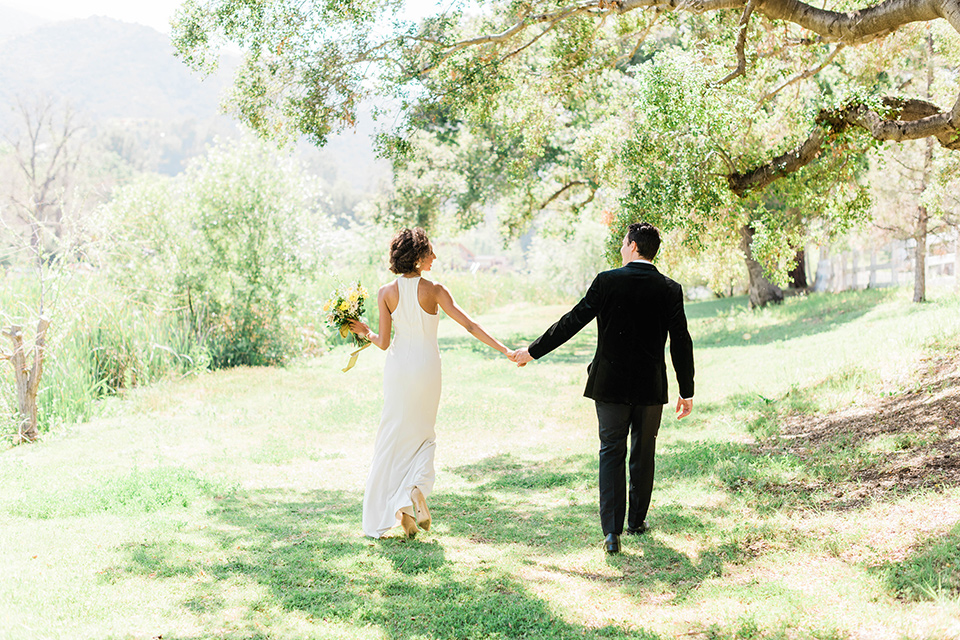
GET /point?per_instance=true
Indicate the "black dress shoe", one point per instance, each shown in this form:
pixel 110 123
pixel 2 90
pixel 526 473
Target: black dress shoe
pixel 612 543
pixel 631 531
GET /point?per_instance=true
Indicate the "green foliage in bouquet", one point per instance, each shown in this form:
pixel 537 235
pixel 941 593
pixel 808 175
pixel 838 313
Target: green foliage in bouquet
pixel 343 305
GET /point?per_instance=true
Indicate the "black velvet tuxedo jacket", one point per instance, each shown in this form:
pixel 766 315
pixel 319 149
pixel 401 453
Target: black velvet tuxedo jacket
pixel 636 308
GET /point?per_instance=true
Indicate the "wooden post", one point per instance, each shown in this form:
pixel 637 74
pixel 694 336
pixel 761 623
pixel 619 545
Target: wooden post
pixel 823 280
pixel 895 259
pixel 872 282
pixel 956 260
pixel 27 380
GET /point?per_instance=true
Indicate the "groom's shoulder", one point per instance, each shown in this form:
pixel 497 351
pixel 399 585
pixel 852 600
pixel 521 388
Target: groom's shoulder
pixel 615 273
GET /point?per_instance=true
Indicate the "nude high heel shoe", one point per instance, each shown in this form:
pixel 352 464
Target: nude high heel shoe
pixel 420 504
pixel 408 524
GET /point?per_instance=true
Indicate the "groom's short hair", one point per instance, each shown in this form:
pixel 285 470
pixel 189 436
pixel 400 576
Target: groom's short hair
pixel 647 238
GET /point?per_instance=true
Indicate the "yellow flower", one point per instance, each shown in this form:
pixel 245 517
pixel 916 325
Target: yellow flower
pixel 353 296
pixel 326 306
pixel 363 291
pixel 344 305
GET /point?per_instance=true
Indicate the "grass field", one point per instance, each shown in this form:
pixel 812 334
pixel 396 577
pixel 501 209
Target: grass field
pixel 227 505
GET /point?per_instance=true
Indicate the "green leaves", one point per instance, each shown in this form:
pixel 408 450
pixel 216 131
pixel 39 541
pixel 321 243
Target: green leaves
pixel 226 244
pixel 678 153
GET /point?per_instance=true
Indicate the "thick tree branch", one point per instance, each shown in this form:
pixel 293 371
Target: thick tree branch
pixel 741 43
pixel 784 164
pixel 909 120
pixel 849 27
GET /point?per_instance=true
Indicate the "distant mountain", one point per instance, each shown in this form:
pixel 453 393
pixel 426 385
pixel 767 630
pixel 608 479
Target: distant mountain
pixel 17 23
pixel 123 80
pixel 107 69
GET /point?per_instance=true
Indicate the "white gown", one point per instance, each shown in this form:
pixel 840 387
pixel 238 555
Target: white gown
pixel 406 441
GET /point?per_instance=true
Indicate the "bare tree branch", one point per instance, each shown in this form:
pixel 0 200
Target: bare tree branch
pixel 741 44
pixel 552 17
pixel 562 189
pixel 809 73
pixel 849 27
pixel 657 13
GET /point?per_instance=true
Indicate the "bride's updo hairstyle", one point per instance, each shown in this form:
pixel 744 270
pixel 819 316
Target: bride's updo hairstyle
pixel 407 249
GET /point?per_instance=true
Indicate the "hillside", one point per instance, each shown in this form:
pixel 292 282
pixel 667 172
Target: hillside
pixel 106 68
pixel 121 76
pixel 15 23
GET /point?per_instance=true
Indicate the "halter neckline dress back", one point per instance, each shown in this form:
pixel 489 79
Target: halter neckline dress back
pixel 406 440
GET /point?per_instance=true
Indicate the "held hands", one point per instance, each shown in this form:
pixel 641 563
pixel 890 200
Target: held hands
pixel 684 407
pixel 520 356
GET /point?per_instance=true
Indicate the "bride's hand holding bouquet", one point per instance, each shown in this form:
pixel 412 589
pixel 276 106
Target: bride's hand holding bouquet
pixel 345 306
pixel 344 310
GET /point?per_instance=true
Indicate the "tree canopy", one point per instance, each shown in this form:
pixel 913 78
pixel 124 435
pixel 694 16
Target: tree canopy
pixel 309 63
pixel 703 115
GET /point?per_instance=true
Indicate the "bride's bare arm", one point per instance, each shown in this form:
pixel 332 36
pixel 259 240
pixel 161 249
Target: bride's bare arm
pixel 381 339
pixel 452 309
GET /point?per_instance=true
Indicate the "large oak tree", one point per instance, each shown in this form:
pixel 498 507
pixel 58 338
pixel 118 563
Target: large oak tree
pixel 734 99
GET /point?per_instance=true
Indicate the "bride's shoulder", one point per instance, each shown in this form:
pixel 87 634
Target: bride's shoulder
pixel 433 289
pixel 389 290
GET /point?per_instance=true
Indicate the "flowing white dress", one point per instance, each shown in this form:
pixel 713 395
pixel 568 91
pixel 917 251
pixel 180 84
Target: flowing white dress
pixel 406 441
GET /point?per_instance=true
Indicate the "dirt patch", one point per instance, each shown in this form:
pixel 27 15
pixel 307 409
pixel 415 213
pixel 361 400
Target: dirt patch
pixel 897 442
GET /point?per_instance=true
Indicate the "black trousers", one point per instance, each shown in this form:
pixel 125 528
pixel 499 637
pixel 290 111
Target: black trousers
pixel 641 423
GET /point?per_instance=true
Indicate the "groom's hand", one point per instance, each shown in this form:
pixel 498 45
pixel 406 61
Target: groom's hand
pixel 684 407
pixel 521 357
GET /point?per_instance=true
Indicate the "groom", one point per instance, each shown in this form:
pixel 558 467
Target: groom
pixel 636 308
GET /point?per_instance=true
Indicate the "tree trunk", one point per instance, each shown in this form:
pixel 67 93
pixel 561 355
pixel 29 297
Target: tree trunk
pixel 762 291
pixel 27 380
pixel 920 259
pixel 798 276
pixel 956 261
pixel 923 217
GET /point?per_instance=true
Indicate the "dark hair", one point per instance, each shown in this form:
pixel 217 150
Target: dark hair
pixel 407 249
pixel 647 238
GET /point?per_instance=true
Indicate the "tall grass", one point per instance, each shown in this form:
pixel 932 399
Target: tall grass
pixel 99 343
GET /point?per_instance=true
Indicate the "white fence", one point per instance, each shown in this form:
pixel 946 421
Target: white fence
pixel 889 265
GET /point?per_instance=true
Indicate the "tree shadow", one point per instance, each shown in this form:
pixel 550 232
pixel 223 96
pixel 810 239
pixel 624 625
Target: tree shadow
pixel 305 551
pixel 931 572
pixel 301 549
pixel 717 325
pixel 506 472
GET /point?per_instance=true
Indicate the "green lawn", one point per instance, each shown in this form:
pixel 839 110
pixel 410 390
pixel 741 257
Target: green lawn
pixel 227 505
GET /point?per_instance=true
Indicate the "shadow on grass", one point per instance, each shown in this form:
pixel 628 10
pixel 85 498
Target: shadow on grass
pixel 715 324
pixel 931 572
pixel 507 472
pixel 303 551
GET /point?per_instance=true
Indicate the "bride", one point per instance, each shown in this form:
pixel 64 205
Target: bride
pixel 402 475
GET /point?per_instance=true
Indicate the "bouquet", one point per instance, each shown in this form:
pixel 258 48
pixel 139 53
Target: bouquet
pixel 346 304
